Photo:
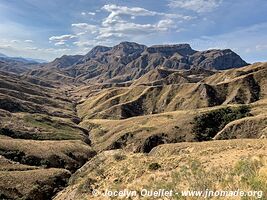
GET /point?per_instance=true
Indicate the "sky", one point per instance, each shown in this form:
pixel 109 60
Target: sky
pixel 52 28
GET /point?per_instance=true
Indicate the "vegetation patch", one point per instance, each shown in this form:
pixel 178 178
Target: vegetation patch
pixel 207 125
pixel 119 157
pixel 52 129
pixel 154 166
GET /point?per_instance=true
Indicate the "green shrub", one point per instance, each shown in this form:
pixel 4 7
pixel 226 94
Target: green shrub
pixel 154 166
pixel 119 157
pixel 208 124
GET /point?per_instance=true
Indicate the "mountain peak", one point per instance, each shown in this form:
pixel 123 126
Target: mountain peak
pixel 65 61
pixel 125 52
pixel 94 52
pixel 97 49
pixel 129 47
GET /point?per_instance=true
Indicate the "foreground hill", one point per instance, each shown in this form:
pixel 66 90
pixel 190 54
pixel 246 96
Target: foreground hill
pixel 128 61
pixel 217 165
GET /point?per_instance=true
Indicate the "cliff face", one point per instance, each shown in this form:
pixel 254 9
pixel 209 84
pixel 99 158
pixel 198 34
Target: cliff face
pixel 169 50
pixel 216 59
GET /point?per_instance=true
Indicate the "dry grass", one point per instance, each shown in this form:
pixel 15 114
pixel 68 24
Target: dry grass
pixel 195 166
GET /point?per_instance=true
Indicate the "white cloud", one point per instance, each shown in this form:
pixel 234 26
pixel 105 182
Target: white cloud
pixel 14 41
pixel 117 11
pixel 91 13
pixel 119 24
pixel 123 10
pixel 109 34
pixel 60 43
pixel 81 33
pixel 88 13
pixel 55 51
pixel 177 16
pixel 165 24
pixel 114 25
pixel 5 46
pixel 31 48
pixel 28 41
pixel 62 37
pixel 199 6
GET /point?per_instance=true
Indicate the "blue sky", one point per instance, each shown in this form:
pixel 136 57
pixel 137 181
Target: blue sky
pixel 48 29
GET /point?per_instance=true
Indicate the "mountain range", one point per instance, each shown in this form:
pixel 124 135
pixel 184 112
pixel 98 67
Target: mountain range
pixel 128 61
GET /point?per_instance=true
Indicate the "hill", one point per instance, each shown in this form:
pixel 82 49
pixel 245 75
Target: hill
pixel 178 167
pixel 161 91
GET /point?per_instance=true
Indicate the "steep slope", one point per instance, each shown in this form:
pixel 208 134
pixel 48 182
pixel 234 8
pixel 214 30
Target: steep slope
pixel 65 61
pixel 216 59
pixel 17 65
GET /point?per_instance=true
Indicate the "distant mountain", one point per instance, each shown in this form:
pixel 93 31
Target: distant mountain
pixel 17 59
pixel 17 65
pixel 2 55
pixel 129 61
pixel 36 60
pixel 21 59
